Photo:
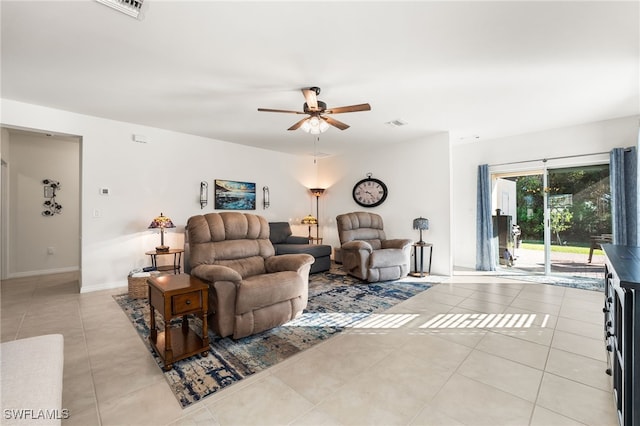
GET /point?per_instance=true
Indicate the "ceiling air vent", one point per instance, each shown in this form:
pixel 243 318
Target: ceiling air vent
pixel 129 7
pixel 396 123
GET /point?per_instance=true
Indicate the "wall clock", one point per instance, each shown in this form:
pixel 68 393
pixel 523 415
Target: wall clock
pixel 370 192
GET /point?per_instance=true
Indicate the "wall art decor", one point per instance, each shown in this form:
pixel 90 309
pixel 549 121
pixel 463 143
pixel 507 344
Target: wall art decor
pixel 50 204
pixel 234 195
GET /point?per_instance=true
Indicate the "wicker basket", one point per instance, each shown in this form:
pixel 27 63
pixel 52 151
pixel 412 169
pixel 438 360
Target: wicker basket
pixel 138 287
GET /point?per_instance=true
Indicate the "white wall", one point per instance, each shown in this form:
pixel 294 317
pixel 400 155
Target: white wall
pixel 161 176
pixel 418 176
pixel 34 157
pixel 578 140
pixel 429 178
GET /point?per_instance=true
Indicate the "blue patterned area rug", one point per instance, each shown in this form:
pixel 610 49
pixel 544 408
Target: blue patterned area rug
pixel 336 302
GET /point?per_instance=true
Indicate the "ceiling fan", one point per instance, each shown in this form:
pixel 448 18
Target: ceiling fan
pixel 317 121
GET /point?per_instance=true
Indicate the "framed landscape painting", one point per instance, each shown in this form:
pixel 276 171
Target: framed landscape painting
pixel 234 195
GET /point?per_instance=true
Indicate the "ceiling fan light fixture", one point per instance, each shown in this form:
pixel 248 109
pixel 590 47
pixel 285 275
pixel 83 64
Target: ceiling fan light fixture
pixel 317 122
pixel 315 125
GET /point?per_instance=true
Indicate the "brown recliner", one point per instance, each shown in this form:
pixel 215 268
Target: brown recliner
pixel 366 253
pixel 251 289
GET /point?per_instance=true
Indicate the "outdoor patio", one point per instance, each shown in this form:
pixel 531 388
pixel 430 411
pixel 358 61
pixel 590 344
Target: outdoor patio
pixel 571 264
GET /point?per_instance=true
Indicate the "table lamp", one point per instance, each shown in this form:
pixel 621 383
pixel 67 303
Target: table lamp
pixel 162 222
pixel 309 220
pixel 421 223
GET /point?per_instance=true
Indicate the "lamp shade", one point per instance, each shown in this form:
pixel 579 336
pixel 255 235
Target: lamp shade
pixel 421 223
pixel 314 125
pixel 161 222
pixel 309 220
pixel 316 191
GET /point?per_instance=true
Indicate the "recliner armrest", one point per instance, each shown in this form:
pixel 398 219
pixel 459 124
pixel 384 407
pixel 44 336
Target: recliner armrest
pixel 357 245
pixel 213 273
pixel 396 243
pixel 288 262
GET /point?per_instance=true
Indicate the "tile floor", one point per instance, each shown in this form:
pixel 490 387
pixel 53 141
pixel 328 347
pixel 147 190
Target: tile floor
pixel 542 365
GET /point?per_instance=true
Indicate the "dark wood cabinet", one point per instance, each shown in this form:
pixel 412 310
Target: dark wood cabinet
pixel 503 234
pixel 622 328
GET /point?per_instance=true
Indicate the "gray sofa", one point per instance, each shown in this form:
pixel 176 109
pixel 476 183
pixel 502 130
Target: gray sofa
pixel 285 243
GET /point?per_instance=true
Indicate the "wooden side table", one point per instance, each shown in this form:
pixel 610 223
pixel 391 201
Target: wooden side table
pixel 174 296
pixel 420 247
pixel 177 257
pixel 315 240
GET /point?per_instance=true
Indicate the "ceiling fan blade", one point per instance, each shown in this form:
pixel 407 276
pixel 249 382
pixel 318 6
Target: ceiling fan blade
pixel 350 108
pixel 280 110
pixel 298 124
pixel 311 98
pixel 335 123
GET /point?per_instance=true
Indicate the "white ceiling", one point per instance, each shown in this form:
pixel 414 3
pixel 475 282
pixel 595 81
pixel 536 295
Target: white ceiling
pixel 475 69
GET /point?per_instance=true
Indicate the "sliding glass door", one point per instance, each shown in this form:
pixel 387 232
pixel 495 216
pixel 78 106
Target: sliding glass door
pixel 557 217
pixel 579 209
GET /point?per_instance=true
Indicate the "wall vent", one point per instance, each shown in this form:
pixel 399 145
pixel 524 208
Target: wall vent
pixel 128 7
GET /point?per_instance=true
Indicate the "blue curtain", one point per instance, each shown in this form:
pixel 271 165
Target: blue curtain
pixel 485 253
pixel 623 171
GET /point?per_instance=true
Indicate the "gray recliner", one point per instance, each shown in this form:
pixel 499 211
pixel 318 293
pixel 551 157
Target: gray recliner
pixel 366 253
pixel 251 289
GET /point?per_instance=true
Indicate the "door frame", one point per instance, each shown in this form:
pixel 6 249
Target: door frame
pixel 4 221
pixel 5 199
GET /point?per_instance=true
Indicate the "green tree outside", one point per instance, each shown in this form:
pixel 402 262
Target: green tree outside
pixel 560 221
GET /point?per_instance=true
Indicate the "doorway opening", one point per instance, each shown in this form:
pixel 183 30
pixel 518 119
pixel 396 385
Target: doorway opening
pixel 36 240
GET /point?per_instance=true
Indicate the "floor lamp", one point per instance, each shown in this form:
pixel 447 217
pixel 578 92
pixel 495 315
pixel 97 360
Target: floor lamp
pixel 317 192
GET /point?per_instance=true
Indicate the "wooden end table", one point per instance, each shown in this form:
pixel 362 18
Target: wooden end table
pixel 174 296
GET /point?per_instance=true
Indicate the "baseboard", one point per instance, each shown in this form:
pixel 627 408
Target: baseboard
pixel 42 272
pixel 106 286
